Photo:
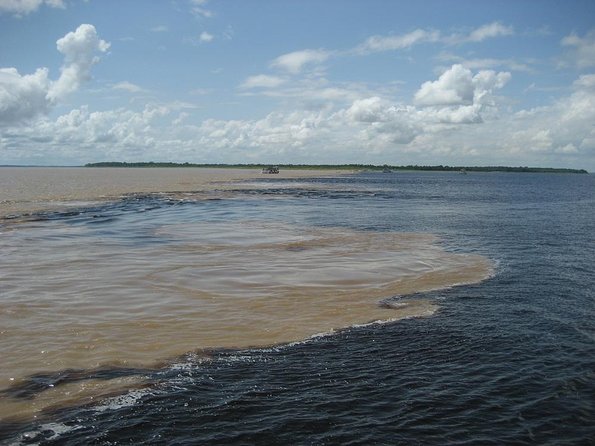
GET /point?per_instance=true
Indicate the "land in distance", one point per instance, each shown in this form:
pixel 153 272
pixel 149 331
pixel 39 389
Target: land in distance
pixel 369 167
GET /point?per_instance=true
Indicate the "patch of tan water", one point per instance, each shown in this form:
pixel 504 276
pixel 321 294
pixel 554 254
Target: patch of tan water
pixel 31 189
pixel 71 301
pixel 86 305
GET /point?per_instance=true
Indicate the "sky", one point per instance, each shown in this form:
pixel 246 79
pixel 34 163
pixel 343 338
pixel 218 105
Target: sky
pixel 457 82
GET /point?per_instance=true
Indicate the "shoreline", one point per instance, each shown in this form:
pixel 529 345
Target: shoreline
pixel 357 167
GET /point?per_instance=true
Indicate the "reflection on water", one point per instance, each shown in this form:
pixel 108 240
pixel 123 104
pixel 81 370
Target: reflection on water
pixel 128 290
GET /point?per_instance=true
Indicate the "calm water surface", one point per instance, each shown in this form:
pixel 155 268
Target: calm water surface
pixel 510 360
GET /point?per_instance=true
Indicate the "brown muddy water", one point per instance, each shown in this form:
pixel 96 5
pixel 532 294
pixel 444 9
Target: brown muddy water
pixel 30 189
pixel 133 286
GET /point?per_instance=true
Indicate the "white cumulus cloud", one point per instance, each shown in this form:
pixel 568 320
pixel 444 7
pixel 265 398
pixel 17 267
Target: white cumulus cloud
pixel 453 87
pixel 85 134
pixel 458 86
pixel 79 48
pixel 373 109
pixel 23 97
pixel 294 62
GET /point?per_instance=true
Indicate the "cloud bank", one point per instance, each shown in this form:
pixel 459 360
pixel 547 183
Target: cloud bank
pixel 457 116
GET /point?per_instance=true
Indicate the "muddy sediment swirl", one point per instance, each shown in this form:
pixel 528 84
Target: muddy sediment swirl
pixel 76 300
pixel 91 304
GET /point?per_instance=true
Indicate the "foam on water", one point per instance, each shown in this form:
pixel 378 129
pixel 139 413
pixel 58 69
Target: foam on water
pixel 45 432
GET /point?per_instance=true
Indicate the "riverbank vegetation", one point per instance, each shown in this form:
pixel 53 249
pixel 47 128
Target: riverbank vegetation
pixel 358 167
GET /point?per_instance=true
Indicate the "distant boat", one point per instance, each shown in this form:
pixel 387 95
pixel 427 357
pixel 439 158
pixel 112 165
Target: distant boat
pixel 463 171
pixel 270 169
pixel 387 169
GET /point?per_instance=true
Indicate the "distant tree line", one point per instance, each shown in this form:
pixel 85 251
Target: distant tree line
pixel 491 169
pixel 368 167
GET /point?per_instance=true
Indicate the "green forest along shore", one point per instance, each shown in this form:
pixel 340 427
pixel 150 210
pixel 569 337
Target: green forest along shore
pixel 370 167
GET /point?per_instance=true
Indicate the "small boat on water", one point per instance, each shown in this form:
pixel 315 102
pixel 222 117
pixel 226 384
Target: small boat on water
pixel 270 169
pixel 463 171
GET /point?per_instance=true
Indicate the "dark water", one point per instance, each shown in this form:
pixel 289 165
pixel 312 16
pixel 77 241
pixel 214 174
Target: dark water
pixel 508 361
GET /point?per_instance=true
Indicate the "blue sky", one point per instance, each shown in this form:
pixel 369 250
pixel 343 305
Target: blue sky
pixel 222 81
